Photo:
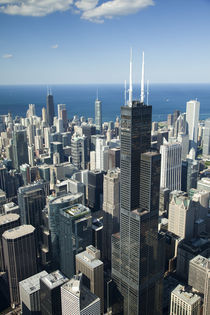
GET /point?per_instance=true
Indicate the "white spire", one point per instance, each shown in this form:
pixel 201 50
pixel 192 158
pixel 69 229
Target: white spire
pixel 131 83
pixel 142 79
pixel 125 93
pixel 147 92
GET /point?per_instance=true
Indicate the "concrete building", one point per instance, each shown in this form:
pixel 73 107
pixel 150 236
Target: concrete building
pixel 11 207
pixel 206 138
pixel 111 210
pixel 181 215
pixel 89 264
pixel 77 299
pixel 79 151
pixel 30 294
pixel 50 293
pixel 19 257
pixel 204 184
pixel 184 302
pixel 102 151
pixel 171 165
pixel 192 118
pixel 199 279
pixel 98 116
pixel 7 222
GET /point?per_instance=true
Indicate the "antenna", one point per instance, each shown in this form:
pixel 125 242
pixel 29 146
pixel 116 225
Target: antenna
pixel 147 92
pixel 97 94
pixel 131 83
pixel 142 79
pixel 125 93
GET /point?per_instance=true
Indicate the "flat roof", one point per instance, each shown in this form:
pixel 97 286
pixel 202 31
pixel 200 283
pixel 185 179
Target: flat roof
pixel 89 259
pixel 201 261
pixel 6 218
pixel 77 210
pixel 65 198
pixel 18 231
pixel 54 279
pixel 32 284
pixel 186 296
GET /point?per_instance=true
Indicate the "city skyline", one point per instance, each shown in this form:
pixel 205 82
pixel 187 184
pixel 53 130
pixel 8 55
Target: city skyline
pixel 87 41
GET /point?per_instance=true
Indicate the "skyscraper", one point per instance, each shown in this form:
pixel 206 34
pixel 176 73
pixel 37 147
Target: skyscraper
pixel 89 264
pixel 98 116
pixel 20 148
pixel 171 165
pixel 206 138
pixel 50 109
pixel 77 299
pixel 75 234
pixel 19 257
pixel 192 118
pixel 135 261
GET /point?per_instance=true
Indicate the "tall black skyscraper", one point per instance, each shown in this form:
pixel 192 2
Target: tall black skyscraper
pixel 20 148
pixel 50 109
pixel 135 257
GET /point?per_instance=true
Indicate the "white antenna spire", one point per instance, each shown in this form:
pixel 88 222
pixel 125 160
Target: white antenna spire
pixel 125 93
pixel 131 83
pixel 142 79
pixel 97 94
pixel 147 92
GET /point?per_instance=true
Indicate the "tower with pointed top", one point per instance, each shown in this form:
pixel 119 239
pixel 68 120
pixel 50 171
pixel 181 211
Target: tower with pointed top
pixel 50 108
pixel 135 249
pixel 98 115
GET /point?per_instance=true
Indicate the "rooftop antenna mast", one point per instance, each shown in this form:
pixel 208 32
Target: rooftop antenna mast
pixel 125 93
pixel 131 83
pixel 97 94
pixel 147 92
pixel 142 79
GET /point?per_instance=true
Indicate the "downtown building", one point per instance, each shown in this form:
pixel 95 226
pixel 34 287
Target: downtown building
pixel 136 265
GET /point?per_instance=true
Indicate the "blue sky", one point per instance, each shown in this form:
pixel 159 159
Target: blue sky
pixel 88 41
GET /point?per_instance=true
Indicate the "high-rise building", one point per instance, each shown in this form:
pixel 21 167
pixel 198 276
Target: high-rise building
pixel 30 294
pixel 95 190
pixel 135 251
pixel 101 155
pixel 190 171
pixel 20 148
pixel 75 224
pixel 192 118
pixel 89 264
pixel 79 151
pixel 206 138
pixel 111 211
pixel 77 299
pixel 19 257
pixel 54 206
pixel 181 215
pixel 50 109
pixel 184 302
pixel 7 222
pixel 171 165
pixel 50 293
pixel 98 116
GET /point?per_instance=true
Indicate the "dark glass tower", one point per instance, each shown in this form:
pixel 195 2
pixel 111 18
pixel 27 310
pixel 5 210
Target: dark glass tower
pixel 135 259
pixel 50 109
pixel 20 148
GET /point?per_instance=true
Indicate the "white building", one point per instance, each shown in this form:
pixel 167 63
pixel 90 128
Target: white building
pixel 171 165
pixel 102 160
pixel 206 138
pixel 192 118
pixel 184 302
pixel 77 299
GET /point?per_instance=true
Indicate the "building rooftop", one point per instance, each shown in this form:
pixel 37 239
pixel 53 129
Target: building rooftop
pixel 54 279
pixel 201 261
pixel 76 287
pixel 90 257
pixel 18 231
pixel 65 198
pixel 77 210
pixel 32 284
pixel 10 206
pixel 6 218
pixel 186 296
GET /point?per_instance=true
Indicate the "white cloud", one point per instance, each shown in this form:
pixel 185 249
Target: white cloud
pixel 89 9
pixel 85 5
pixel 114 8
pixel 7 56
pixel 34 7
pixel 54 46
